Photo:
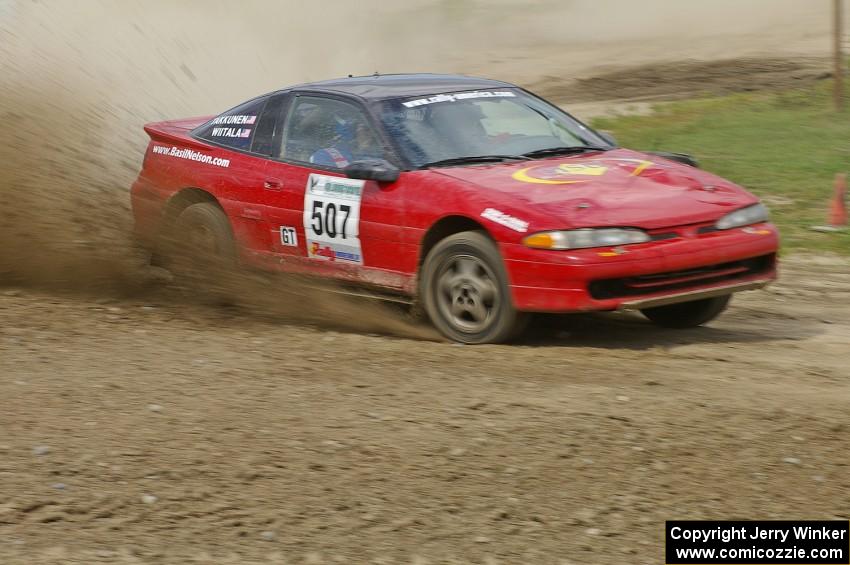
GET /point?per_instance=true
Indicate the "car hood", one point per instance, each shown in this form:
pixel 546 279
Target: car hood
pixel 615 188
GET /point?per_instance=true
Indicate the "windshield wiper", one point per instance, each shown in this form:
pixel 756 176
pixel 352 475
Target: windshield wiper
pixel 564 150
pixel 470 159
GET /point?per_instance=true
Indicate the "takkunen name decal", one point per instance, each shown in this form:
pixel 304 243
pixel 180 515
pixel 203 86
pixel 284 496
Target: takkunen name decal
pixel 236 120
pixel 573 173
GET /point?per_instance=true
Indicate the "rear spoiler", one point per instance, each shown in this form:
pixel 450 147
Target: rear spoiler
pixel 176 131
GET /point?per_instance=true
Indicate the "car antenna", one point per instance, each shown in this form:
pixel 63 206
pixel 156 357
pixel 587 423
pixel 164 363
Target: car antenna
pixel 350 76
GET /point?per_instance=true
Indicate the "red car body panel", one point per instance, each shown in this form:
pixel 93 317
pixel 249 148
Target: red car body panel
pixel 675 203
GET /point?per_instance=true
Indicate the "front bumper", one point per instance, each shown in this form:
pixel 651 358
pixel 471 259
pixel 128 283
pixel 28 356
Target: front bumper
pixel 690 295
pixel 688 267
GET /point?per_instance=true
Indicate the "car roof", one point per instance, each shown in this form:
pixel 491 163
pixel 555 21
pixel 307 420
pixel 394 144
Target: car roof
pixel 382 87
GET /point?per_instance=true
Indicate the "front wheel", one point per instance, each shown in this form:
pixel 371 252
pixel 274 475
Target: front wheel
pixel 464 289
pixel 688 314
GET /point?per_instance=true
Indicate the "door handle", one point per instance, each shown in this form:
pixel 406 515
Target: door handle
pixel 273 184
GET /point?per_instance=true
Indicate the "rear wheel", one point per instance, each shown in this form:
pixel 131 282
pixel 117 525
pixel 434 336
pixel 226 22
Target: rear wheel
pixel 200 247
pixel 464 290
pixel 688 314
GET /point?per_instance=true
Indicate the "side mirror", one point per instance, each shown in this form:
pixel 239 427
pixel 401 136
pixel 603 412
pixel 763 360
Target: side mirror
pixel 683 158
pixel 372 169
pixel 609 139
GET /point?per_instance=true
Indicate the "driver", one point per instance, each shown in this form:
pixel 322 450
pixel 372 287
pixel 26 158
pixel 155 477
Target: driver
pixel 352 141
pixel 460 125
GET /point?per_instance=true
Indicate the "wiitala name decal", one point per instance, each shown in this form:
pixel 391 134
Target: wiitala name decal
pixel 231 132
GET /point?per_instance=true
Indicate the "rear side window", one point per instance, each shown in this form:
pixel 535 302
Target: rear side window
pixel 234 128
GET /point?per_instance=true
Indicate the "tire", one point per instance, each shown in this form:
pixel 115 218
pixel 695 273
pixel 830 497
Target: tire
pixel 200 247
pixel 688 314
pixel 464 290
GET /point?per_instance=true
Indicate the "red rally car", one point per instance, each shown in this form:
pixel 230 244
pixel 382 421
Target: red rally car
pixel 474 197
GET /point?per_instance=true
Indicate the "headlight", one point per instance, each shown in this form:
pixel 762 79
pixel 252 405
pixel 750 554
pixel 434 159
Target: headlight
pixel 754 214
pixel 584 238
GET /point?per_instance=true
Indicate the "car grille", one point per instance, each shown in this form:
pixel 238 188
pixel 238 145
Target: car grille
pixel 681 280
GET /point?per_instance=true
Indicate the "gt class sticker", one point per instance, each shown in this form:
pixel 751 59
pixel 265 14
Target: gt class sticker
pixel 573 173
pixel 332 218
pixel 288 236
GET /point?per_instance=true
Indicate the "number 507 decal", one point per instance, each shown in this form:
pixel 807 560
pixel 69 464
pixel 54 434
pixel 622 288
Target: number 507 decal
pixel 325 216
pixel 332 218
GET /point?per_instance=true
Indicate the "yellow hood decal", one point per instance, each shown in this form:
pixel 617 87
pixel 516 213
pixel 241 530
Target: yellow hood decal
pixel 567 173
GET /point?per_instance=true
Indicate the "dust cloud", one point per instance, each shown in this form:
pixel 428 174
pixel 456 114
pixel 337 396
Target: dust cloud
pixel 79 82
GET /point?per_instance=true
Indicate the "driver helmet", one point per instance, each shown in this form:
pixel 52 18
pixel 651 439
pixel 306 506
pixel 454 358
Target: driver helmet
pixel 345 129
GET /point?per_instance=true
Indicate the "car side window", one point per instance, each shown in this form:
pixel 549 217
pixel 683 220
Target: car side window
pixel 328 133
pixel 234 128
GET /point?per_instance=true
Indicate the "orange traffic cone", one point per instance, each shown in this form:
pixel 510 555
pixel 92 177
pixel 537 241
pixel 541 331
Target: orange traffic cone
pixel 838 207
pixel 838 210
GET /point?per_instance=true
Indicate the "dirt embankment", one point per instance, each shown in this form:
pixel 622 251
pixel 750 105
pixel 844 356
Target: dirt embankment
pixel 686 79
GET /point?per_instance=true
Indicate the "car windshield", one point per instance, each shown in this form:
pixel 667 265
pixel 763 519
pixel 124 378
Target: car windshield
pixel 469 124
